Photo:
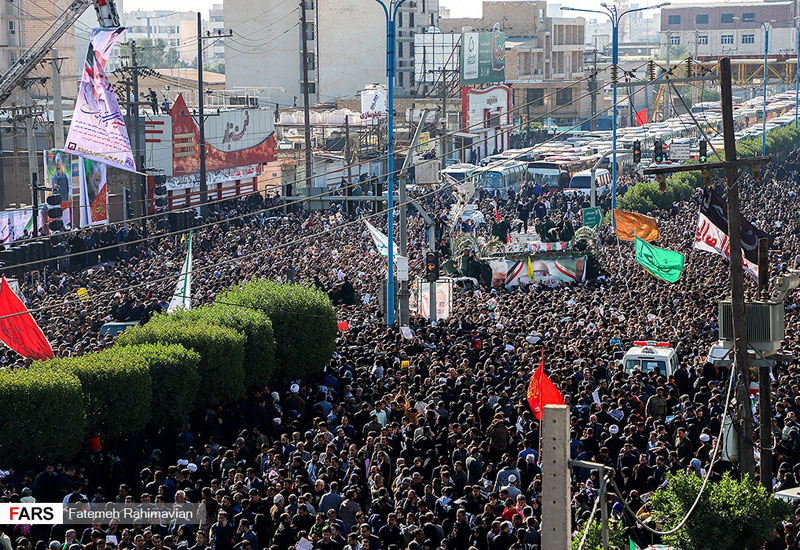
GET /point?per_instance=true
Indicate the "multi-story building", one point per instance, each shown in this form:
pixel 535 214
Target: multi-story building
pixel 346 42
pixel 731 29
pixel 544 58
pixel 215 25
pixel 178 30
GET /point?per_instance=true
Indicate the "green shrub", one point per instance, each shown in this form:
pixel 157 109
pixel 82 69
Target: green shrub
pixel 303 319
pixel 221 353
pixel 175 379
pixel 43 416
pixel 259 351
pixel 116 390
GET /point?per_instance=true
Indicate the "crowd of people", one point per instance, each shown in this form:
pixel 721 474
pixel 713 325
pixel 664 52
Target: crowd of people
pixel 418 440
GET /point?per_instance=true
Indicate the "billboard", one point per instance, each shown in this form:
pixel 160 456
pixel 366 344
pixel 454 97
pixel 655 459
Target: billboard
pixel 373 105
pixel 483 57
pixel 548 272
pixel 58 172
pixel 93 193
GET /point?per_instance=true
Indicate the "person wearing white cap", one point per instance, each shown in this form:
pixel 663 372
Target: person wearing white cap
pixel 705 449
pixel 512 488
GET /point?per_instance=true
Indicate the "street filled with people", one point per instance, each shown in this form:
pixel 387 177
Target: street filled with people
pixel 420 439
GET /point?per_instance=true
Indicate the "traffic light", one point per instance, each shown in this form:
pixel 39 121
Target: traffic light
pixel 54 213
pixel 637 152
pixel 658 151
pixel 432 267
pixel 160 201
pixel 703 150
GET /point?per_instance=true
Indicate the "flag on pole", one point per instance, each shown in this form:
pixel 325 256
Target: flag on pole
pixel 633 545
pixel 542 392
pixel 381 240
pixel 631 225
pixel 18 330
pixel 98 131
pixel 496 213
pixel 530 269
pixel 641 117
pixel 182 299
pixel 666 265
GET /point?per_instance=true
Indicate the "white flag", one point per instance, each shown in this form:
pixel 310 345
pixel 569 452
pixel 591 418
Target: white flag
pixel 98 129
pixel 182 299
pixel 381 240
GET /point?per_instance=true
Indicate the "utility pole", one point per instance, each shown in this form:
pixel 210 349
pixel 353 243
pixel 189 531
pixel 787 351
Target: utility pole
pixel 667 95
pixel 593 88
pixel 348 161
pixel 306 106
pixel 58 115
pixel 202 119
pixel 33 166
pixel 695 92
pixel 764 396
pixel 744 424
pixel 443 137
pixel 137 137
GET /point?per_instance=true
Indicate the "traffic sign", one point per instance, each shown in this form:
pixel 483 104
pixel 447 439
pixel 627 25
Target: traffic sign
pixel 592 217
pixel 680 151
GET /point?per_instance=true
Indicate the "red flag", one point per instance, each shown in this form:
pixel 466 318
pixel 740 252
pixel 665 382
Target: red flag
pixel 641 117
pixel 20 332
pixel 496 213
pixel 542 392
pixel 343 326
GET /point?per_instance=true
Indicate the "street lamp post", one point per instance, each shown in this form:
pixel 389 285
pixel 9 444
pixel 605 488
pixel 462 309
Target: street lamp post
pixel 614 16
pixel 765 25
pixel 797 80
pixel 390 8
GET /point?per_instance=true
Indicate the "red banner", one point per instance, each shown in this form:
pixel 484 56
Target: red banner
pixel 641 117
pixel 20 332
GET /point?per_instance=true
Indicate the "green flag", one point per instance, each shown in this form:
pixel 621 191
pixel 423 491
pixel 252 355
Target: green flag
pixel 667 265
pixel 633 545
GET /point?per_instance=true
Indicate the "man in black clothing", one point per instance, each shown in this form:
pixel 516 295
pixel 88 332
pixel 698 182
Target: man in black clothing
pixel 222 533
pixel 524 211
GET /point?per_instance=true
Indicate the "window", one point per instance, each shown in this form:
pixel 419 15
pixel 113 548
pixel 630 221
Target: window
pixel 701 19
pixel 675 40
pixel 748 39
pixel 749 16
pixel 311 87
pixel 400 78
pixel 726 18
pixel 702 39
pixel 674 19
pixel 399 49
pixel 309 31
pixel 726 39
pixel 11 28
pixel 535 97
pixel 311 60
pixel 411 19
pixel 564 96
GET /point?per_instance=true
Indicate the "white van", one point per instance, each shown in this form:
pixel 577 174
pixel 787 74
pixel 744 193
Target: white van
pixel 648 355
pixel 581 182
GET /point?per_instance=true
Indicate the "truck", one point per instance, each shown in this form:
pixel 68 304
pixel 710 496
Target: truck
pixel 650 355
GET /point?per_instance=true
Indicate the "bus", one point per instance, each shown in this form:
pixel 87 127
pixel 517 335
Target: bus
pixel 459 172
pixel 556 172
pixel 498 178
pixel 581 183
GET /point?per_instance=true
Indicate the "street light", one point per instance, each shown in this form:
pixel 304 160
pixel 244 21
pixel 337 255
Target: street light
pixel 390 8
pixel 615 16
pixel 765 25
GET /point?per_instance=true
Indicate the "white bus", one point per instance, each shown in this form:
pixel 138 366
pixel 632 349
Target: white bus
pixel 498 178
pixel 459 172
pixel 582 182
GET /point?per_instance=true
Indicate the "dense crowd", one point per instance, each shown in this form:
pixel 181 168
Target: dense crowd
pixel 441 452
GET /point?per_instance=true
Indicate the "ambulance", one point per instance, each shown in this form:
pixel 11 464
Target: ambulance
pixel 650 355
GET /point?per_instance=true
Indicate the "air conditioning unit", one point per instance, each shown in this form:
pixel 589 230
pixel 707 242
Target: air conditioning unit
pixel 765 326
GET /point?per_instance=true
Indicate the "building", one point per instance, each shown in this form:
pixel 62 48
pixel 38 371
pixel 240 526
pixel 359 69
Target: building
pixel 544 55
pixel 215 25
pixel 436 61
pixel 178 30
pixel 729 29
pixel 335 31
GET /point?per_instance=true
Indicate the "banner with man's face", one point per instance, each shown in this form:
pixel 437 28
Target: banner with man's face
pixel 94 193
pixel 58 177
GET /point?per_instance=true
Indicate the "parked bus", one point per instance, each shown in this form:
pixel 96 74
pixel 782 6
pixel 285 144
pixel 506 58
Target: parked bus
pixel 497 179
pixel 556 172
pixel 459 172
pixel 581 183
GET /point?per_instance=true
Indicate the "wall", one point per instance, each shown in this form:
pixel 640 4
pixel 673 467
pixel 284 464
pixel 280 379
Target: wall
pixel 352 46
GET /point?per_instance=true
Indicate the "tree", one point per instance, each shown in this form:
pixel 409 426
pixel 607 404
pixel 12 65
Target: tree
pixel 594 539
pixel 731 515
pixel 215 68
pixel 149 53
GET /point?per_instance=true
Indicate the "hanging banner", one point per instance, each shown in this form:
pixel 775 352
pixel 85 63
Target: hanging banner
pixel 93 193
pixel 58 176
pixel 444 299
pixel 98 129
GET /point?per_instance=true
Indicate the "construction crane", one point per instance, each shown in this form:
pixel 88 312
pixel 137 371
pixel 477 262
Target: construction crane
pixel 106 15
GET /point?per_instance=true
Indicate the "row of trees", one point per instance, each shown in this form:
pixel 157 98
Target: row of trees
pixel 156 55
pixel 159 373
pixel 646 197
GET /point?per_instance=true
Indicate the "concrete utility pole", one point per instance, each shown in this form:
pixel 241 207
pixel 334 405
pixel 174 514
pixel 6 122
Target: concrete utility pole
pixel 764 396
pixel 556 511
pixel 137 138
pixel 306 104
pixel 744 424
pixel 593 86
pixel 58 115
pixel 348 161
pixel 403 294
pixel 667 95
pixel 202 119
